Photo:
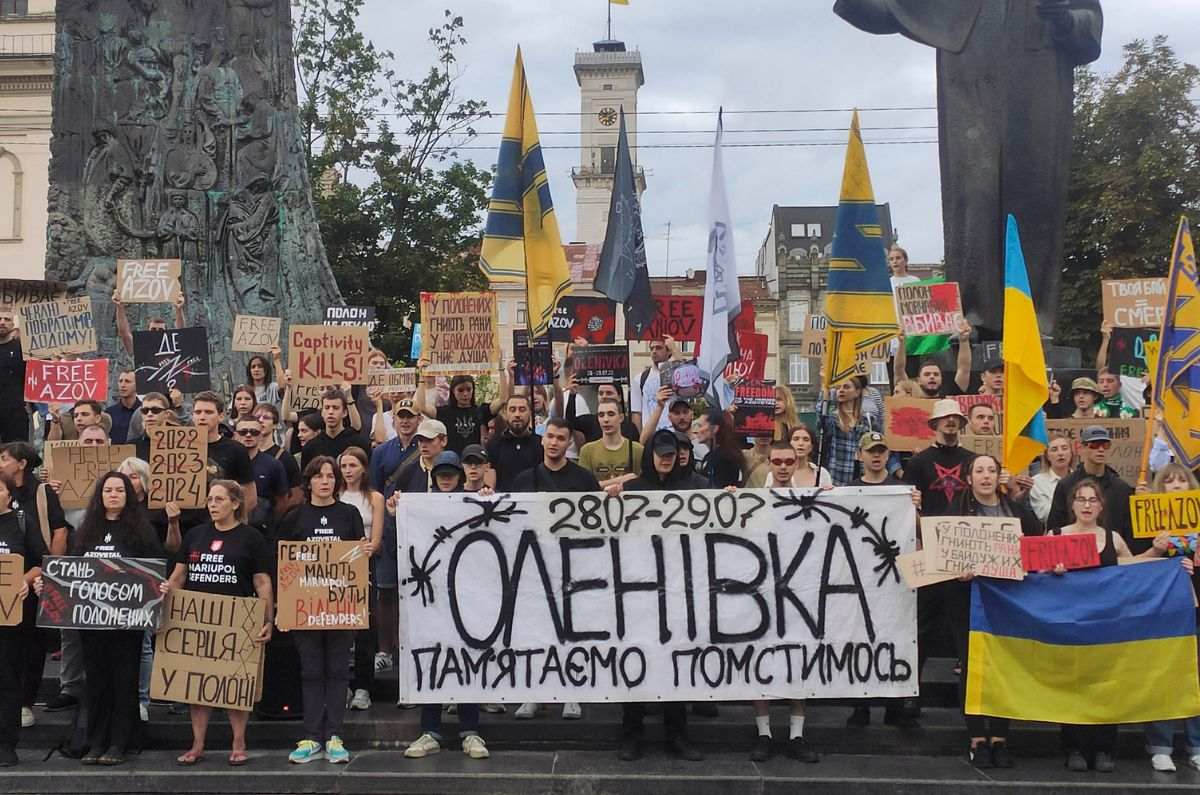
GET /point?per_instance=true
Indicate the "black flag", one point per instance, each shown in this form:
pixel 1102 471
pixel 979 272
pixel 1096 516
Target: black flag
pixel 622 275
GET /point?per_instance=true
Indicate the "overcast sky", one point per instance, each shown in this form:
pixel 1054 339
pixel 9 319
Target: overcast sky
pixel 747 55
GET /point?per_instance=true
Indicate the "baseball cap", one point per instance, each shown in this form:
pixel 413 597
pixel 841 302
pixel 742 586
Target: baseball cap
pixel 676 400
pixel 871 440
pixel 664 442
pixel 447 459
pixel 684 440
pixel 1095 433
pixel 431 429
pixel 992 363
pixel 475 451
pixel 405 405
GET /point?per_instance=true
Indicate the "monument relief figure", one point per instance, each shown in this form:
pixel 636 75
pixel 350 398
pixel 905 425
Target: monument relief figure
pixel 1005 77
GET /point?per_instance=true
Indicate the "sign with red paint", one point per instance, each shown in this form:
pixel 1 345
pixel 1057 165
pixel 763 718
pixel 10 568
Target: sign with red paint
pixel 679 316
pixel 755 415
pixel 65 381
pixel 328 354
pixel 1043 553
pixel 906 421
pixel 593 319
pixel 752 364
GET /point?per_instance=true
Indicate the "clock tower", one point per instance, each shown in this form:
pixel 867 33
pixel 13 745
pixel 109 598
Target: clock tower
pixel 609 78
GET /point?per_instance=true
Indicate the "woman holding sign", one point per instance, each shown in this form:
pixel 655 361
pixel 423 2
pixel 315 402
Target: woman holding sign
pixel 224 556
pixel 12 542
pixel 324 653
pixel 114 526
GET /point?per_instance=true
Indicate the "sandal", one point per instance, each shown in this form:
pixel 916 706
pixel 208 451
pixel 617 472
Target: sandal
pixel 190 758
pixel 238 758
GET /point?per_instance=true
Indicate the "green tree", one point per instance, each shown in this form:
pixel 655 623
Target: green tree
pixel 1135 169
pixel 399 211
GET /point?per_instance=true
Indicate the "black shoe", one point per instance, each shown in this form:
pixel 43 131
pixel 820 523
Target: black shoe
pixel 911 708
pixel 705 709
pixel 898 718
pixel 1000 755
pixel 1076 763
pixel 801 752
pixel 681 748
pixel 61 702
pixel 8 757
pixel 762 749
pixel 631 749
pixel 979 756
pixel 860 718
pixel 1104 763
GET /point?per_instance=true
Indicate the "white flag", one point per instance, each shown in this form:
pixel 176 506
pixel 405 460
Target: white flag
pixel 722 299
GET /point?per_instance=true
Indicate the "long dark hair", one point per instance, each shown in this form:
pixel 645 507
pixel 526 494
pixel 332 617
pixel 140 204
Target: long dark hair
pixel 967 505
pixel 314 468
pixel 132 525
pixel 725 440
pixel 268 370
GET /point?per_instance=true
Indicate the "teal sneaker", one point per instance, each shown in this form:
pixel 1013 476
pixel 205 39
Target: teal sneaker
pixel 306 751
pixel 335 752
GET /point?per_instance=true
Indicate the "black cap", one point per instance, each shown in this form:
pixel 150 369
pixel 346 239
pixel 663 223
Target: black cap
pixel 664 442
pixel 476 452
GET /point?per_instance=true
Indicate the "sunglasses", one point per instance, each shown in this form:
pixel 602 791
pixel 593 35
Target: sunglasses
pixel 1099 445
pixel 151 410
pixel 779 462
pixel 248 432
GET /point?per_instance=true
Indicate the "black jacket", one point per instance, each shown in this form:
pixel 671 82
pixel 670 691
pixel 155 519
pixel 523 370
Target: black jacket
pixel 1116 506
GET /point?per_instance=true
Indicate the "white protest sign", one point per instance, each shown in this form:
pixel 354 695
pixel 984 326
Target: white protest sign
pixel 982 545
pixel 656 596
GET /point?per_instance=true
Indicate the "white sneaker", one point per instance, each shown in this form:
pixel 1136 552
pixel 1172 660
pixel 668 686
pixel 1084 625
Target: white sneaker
pixel 27 718
pixel 571 711
pixel 144 712
pixel 361 700
pixel 423 746
pixel 474 747
pixel 383 662
pixel 1162 763
pixel 1194 761
pixel 526 711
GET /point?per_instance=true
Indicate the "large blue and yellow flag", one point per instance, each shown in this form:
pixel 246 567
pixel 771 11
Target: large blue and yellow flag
pixel 1109 645
pixel 1177 379
pixel 521 241
pixel 1025 386
pixel 858 301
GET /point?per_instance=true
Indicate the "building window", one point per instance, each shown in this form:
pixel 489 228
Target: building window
pixel 797 230
pixel 14 8
pixel 608 159
pixel 11 188
pixel 521 322
pixel 814 230
pixel 797 313
pixel 879 373
pixel 798 369
pixel 608 86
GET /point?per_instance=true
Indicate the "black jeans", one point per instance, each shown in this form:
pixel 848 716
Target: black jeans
pixel 11 642
pixel 1089 740
pixel 112 660
pixel 633 716
pixel 324 674
pixel 34 641
pixel 958 607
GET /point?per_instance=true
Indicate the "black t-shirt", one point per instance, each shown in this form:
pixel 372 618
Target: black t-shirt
pixel 511 455
pixel 115 543
pixel 571 477
pixel 308 522
pixel 24 499
pixel 227 460
pixel 463 425
pixel 890 480
pixel 12 537
pixel 940 474
pixel 270 483
pixel 290 468
pixel 12 375
pixel 224 562
pixel 332 446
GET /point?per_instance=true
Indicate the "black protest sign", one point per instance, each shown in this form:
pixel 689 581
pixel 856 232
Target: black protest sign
pixel 755 415
pixel 1127 350
pixel 172 359
pixel 592 319
pixel 350 316
pixel 601 364
pixel 535 361
pixel 101 593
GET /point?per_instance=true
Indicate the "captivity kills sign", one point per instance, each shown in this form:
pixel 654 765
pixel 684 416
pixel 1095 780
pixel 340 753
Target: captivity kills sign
pixel 929 308
pixel 679 316
pixel 172 359
pixel 101 593
pixel 58 328
pixel 322 585
pixel 148 281
pixel 66 381
pixel 328 354
pixel 656 596
pixel 255 333
pixel 592 319
pixel 12 577
pixel 981 545
pixel 78 467
pixel 178 466
pixel 601 364
pixel 459 332
pixel 207 651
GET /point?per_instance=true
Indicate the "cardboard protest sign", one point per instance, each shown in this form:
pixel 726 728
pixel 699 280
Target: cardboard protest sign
pixel 172 359
pixel 393 379
pixel 678 316
pixel 1044 553
pixel 255 333
pixel 929 308
pixel 58 328
pixel 812 341
pixel 601 364
pixel 912 569
pixel 459 332
pixel 906 423
pixel 686 379
pixel 12 577
pixel 48 452
pixel 1125 455
pixel 206 652
pixel 306 396
pixel 755 415
pixel 78 467
pixel 178 466
pixel 1134 303
pixel 148 281
pixel 592 319
pixel 751 364
pixel 328 354
pixel 501 578
pixel 1127 350
pixel 15 293
pixel 982 444
pixel 351 316
pixel 965 402
pixel 535 361
pixel 66 381
pixel 982 545
pixel 1174 512
pixel 101 593
pixel 322 585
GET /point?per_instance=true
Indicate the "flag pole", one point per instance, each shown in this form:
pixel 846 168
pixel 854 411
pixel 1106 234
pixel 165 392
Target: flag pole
pixel 1148 442
pixel 609 4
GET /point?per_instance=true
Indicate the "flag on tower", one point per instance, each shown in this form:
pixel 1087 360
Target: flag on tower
pixel 622 274
pixel 1177 377
pixel 1025 383
pixel 521 242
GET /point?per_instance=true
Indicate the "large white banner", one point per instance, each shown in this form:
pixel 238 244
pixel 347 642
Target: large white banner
pixel 653 596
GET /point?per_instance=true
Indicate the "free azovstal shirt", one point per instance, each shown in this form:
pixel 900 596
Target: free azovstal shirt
pixel 337 522
pixel 114 544
pixel 224 562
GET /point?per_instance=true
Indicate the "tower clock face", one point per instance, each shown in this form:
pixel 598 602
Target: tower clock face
pixel 607 116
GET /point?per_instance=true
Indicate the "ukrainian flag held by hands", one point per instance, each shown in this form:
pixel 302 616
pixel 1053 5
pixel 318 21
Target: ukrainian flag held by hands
pixel 521 243
pixel 1177 380
pixel 1025 385
pixel 858 303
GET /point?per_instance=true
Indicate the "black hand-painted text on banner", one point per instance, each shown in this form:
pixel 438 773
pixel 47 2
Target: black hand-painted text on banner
pixel 657 596
pixel 101 592
pixel 172 359
pixel 601 364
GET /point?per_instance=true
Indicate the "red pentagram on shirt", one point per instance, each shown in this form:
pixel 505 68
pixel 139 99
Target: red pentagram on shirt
pixel 949 480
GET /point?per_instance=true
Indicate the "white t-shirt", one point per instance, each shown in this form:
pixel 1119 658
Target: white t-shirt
pixel 644 400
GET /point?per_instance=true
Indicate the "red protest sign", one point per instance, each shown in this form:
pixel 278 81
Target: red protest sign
pixel 65 381
pixel 679 316
pixel 1043 553
pixel 752 364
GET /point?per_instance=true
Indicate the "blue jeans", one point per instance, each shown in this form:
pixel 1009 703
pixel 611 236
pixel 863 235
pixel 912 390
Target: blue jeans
pixel 468 720
pixel 1160 736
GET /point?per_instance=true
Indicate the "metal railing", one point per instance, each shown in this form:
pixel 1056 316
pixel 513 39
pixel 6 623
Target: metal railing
pixel 26 45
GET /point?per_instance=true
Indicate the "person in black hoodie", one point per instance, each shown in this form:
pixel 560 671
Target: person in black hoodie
pixel 12 542
pixel 1095 445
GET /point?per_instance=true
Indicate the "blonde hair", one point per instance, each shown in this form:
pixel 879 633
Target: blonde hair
pixel 235 493
pixel 137 469
pixel 789 419
pixel 1173 470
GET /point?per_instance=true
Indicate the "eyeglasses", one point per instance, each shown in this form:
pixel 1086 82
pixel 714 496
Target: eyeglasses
pixel 780 462
pixel 1102 445
pixel 248 432
pixel 1088 500
pixel 152 410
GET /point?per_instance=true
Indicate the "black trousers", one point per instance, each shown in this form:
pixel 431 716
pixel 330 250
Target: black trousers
pixel 1088 740
pixel 112 660
pixel 34 642
pixel 957 600
pixel 324 673
pixel 366 643
pixel 11 642
pixel 633 716
pixel 14 423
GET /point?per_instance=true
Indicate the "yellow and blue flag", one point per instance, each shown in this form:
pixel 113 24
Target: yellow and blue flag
pixel 521 242
pixel 1177 377
pixel 1025 384
pixel 858 301
pixel 1110 645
